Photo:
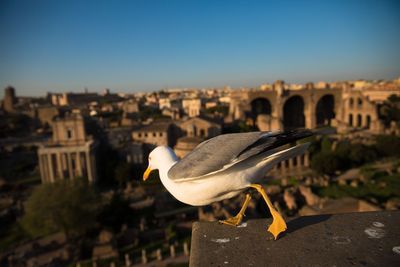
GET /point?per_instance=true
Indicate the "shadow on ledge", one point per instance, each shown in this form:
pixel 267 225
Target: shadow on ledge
pixel 301 222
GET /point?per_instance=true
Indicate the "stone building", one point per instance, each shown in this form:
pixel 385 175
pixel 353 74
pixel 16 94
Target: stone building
pixel 46 114
pixel 130 106
pixel 79 99
pixel 186 144
pixel 70 153
pixel 196 130
pixel 158 133
pixel 192 107
pixel 200 127
pixel 341 105
pixel 9 99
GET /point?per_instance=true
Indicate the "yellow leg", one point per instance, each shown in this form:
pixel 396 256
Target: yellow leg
pixel 278 223
pixel 235 221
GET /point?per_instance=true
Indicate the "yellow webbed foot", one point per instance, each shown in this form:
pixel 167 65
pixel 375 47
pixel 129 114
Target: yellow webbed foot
pixel 278 224
pixel 234 221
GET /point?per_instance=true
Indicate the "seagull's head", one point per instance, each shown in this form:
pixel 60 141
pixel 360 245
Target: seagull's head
pixel 158 158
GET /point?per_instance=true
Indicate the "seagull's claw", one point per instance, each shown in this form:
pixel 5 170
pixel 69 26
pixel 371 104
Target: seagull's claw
pixel 234 221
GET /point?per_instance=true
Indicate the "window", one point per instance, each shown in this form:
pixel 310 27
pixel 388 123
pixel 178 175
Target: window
pixel 359 102
pixel 202 133
pixel 351 119
pixel 139 135
pixel 154 134
pixel 359 120
pixel 161 134
pixel 69 133
pixel 351 102
pixel 145 135
pixel 368 121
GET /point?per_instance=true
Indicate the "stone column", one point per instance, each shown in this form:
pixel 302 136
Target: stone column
pixel 144 257
pixel 127 260
pixel 88 166
pixel 172 251
pixel 186 249
pixel 50 164
pixel 306 160
pixel 309 111
pixel 159 255
pixel 70 170
pixel 42 174
pixel 290 163
pixel 45 165
pixel 59 165
pixel 78 163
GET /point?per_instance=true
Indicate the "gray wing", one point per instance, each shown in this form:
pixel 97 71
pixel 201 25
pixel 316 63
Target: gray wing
pixel 212 155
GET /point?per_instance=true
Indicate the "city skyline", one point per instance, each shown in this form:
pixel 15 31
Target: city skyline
pixel 146 46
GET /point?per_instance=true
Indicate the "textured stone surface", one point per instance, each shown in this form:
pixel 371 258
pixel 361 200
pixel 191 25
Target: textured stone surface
pixel 353 239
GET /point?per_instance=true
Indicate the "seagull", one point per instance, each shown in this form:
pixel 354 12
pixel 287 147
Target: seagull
pixel 226 165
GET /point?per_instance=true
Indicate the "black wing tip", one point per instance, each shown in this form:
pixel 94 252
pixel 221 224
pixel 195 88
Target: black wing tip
pixel 291 136
pixel 299 133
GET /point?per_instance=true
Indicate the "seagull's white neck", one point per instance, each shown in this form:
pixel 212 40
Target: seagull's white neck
pixel 163 169
pixel 163 159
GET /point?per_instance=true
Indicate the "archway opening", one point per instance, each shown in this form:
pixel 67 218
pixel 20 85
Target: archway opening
pixel 260 106
pixel 368 121
pixel 293 113
pixel 351 120
pixel 359 120
pixel 325 110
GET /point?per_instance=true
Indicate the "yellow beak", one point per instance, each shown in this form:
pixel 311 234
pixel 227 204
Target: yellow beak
pixel 146 173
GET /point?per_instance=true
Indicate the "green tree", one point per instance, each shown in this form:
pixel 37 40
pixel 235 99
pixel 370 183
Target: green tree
pixel 326 144
pixel 390 110
pixel 67 206
pixel 361 154
pixel 388 145
pixel 326 163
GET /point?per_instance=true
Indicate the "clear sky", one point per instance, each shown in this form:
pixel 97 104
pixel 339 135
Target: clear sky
pixel 132 46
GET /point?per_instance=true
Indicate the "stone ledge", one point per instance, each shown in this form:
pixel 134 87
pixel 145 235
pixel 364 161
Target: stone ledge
pixel 352 239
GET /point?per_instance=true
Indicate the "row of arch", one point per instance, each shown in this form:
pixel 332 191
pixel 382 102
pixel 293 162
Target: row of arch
pixel 352 101
pixel 293 111
pixel 357 121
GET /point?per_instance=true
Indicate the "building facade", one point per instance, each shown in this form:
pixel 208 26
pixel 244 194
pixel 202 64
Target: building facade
pixel 340 105
pixel 163 133
pixel 9 99
pixel 70 154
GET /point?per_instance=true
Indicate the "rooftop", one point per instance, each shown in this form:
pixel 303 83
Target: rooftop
pixel 360 239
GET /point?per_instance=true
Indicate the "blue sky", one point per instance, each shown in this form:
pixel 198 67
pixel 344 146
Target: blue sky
pixel 132 46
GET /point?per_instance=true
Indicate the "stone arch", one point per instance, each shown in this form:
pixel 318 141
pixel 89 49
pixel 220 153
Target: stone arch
pixel 260 105
pixel 293 113
pixel 351 119
pixel 351 102
pixel 368 121
pixel 325 110
pixel 359 120
pixel 359 102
